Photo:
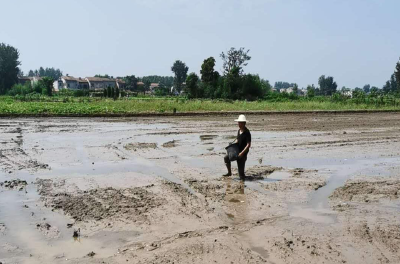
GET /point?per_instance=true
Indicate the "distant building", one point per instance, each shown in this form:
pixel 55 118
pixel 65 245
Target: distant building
pixel 153 87
pixel 286 90
pixel 96 83
pixel 347 93
pixel 83 84
pixel 24 79
pixel 121 84
pixel 71 83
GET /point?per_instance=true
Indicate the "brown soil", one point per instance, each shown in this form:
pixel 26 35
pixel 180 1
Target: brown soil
pixel 101 204
pixel 368 190
pixel 320 188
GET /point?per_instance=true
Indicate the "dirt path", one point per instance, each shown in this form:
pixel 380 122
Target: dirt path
pixel 321 188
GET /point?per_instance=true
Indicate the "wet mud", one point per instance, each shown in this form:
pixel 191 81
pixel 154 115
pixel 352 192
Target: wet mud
pixel 368 190
pixel 100 204
pixel 319 188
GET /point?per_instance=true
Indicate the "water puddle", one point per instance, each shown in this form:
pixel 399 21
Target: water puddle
pixel 340 170
pixel 277 176
pixel 22 219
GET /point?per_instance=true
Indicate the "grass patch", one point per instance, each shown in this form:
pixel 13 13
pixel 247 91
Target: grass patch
pixel 97 106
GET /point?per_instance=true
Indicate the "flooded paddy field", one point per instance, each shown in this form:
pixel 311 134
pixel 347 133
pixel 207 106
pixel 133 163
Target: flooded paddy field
pixel 321 188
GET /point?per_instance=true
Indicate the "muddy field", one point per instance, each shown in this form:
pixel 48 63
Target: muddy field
pixel 320 188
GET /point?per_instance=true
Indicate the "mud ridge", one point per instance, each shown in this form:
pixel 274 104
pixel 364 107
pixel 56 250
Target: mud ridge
pixel 368 190
pixel 102 203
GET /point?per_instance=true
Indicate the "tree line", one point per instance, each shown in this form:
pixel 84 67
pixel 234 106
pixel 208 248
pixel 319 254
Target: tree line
pixel 233 83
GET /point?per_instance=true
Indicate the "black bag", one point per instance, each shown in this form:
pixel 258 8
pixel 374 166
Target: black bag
pixel 233 151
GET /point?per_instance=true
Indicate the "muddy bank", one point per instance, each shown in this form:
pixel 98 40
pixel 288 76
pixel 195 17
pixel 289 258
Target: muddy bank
pixel 368 190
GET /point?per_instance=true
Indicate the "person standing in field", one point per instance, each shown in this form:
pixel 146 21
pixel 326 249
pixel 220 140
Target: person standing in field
pixel 243 140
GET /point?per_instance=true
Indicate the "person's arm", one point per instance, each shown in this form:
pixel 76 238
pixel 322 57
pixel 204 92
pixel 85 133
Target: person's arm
pixel 245 149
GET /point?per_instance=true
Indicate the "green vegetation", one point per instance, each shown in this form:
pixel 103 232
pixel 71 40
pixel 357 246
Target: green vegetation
pixel 234 90
pixel 64 106
pixel 9 69
pixel 46 72
pixel 180 70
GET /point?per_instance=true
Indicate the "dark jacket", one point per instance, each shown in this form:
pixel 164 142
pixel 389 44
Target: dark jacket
pixel 243 139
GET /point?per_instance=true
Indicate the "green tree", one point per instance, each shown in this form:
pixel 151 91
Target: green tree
pixel 180 69
pixel 235 59
pixel 397 75
pixel 192 85
pixel 310 91
pixel 231 87
pixel 327 85
pixel 116 95
pixel 20 73
pixel 112 92
pixel 386 88
pixel 296 89
pixel 266 86
pixel 168 81
pixel 103 76
pixel 131 83
pixel 251 87
pixel 393 83
pixel 162 90
pixel 366 88
pixel 105 93
pixel 47 85
pixel 208 74
pixel 283 85
pixel 8 67
pixel 41 72
pixel 359 95
pixel 209 78
pixel 109 91
pixel 146 86
pixel 374 92
pixel 46 72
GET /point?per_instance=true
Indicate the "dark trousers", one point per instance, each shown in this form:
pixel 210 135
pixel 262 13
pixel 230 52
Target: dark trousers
pixel 241 162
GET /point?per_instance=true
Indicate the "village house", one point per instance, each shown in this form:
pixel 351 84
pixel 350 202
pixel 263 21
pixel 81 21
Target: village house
pixel 121 84
pixel 97 83
pixel 287 90
pixel 66 82
pixel 153 87
pixel 24 79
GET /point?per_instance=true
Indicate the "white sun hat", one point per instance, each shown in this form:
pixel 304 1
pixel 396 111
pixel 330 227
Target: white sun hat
pixel 241 118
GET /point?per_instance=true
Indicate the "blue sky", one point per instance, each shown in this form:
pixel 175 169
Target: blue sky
pixel 355 41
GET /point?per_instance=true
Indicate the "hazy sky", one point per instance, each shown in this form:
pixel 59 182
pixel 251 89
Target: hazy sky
pixel 355 41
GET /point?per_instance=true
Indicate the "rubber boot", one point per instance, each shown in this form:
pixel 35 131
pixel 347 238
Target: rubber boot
pixel 228 166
